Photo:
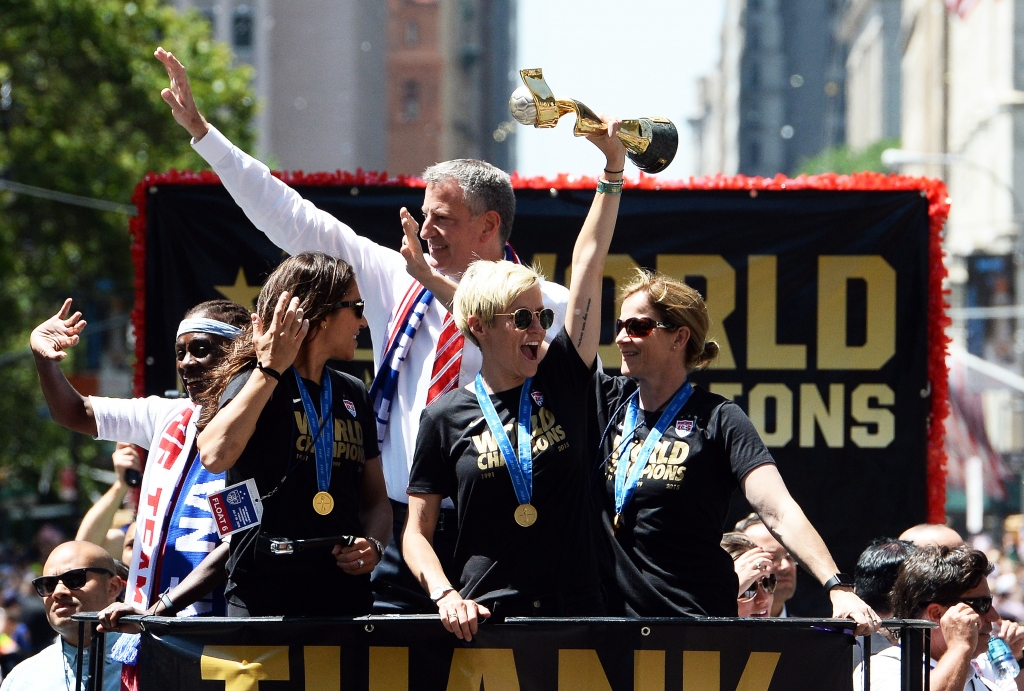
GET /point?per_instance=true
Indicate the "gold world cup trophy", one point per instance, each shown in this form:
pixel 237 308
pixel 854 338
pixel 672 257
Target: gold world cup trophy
pixel 650 143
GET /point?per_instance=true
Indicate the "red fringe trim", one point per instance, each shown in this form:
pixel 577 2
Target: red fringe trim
pixel 932 189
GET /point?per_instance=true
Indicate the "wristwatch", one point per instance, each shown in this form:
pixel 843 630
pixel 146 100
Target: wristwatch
pixel 439 592
pixel 838 580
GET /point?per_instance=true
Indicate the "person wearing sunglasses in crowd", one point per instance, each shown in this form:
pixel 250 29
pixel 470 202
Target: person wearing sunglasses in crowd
pixel 948 586
pixel 510 448
pixel 672 455
pixel 753 567
pixel 305 434
pixel 77 577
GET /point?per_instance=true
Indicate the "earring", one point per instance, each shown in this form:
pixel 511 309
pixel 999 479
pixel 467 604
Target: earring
pixel 324 325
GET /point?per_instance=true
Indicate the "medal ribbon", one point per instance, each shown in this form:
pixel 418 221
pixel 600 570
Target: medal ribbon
pixel 321 428
pixel 521 468
pixel 627 476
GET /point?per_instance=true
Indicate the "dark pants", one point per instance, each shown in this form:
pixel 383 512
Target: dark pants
pixel 395 589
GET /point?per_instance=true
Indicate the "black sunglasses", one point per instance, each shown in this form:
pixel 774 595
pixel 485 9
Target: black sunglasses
pixel 356 305
pixel 640 326
pixel 73 579
pixel 767 584
pixel 981 604
pixel 523 317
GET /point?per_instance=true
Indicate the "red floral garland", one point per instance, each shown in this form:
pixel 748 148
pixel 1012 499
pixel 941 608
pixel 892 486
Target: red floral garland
pixel 932 189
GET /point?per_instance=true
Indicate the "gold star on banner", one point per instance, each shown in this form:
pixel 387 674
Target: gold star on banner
pixel 241 292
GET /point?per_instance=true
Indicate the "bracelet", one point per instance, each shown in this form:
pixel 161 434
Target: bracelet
pixel 379 548
pixel 614 172
pixel 166 601
pixel 605 187
pixel 272 373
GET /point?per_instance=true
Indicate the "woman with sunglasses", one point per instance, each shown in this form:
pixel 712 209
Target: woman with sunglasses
pixel 305 435
pixel 673 453
pixel 752 564
pixel 510 448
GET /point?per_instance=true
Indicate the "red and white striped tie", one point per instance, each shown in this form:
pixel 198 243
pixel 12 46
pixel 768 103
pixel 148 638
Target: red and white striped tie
pixel 447 361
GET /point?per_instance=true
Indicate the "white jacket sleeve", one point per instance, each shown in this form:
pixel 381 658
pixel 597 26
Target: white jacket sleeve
pixel 296 225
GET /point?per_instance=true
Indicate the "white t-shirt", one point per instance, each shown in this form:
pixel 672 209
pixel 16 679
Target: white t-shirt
pixel 167 427
pixel 139 421
pixel 296 225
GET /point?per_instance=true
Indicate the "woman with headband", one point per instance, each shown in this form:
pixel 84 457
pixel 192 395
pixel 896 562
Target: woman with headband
pixel 300 440
pixel 174 485
pixel 673 454
pixel 510 449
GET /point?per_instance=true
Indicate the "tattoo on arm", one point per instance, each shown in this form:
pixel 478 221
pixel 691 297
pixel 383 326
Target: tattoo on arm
pixel 583 325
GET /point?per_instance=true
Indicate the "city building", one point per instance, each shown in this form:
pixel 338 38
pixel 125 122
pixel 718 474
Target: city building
pixel 395 85
pixel 961 119
pixel 870 30
pixel 780 80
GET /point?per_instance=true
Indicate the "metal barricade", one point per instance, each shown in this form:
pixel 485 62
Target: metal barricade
pixel 691 641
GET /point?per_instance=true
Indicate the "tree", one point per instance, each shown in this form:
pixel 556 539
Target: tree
pixel 80 112
pixel 844 160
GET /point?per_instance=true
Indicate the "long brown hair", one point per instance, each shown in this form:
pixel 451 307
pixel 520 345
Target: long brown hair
pixel 317 279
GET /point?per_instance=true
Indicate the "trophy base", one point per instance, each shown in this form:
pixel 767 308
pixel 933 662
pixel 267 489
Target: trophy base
pixel 664 142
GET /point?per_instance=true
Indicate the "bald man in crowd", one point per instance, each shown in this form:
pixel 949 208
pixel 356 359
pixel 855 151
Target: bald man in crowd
pixel 77 577
pixel 932 535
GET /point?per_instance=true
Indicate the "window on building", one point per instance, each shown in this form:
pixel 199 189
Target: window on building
pixel 753 36
pixel 412 34
pixel 411 101
pixel 754 153
pixel 242 27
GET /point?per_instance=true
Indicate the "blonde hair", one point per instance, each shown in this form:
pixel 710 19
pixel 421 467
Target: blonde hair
pixel 488 288
pixel 680 305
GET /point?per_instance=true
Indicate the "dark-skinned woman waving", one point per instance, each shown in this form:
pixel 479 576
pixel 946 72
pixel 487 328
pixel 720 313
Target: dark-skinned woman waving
pixel 673 454
pixel 510 449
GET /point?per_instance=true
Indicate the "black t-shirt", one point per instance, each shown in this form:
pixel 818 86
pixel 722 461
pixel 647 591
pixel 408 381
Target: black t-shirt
pixel 668 558
pixel 309 582
pixel 456 456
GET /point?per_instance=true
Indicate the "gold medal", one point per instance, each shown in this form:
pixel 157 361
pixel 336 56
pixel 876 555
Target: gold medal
pixel 526 515
pixel 323 503
pixel 617 522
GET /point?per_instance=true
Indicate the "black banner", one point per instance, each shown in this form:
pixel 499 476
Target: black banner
pixel 819 300
pixel 417 654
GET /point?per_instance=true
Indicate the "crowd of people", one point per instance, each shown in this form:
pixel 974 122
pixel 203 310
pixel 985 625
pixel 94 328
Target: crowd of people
pixel 445 486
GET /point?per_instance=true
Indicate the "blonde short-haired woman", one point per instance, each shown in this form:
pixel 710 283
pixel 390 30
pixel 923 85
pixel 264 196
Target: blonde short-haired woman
pixel 511 448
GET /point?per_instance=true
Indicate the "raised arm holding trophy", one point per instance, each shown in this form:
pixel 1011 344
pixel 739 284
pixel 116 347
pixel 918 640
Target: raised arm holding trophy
pixel 650 143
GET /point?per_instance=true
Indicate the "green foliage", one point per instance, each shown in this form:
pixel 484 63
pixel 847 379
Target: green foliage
pixel 843 160
pixel 85 116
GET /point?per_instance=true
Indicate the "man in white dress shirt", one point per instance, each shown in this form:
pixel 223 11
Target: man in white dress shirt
pixel 468 209
pixel 77 577
pixel 949 587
